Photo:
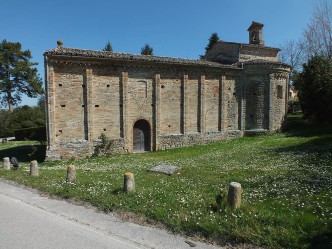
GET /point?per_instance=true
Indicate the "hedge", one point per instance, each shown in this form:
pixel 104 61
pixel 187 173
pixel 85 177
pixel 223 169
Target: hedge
pixel 35 133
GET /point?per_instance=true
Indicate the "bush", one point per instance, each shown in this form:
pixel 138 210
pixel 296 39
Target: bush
pixel 20 118
pixel 27 124
pixel 35 133
pixel 40 122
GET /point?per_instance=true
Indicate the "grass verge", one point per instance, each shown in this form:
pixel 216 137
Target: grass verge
pixel 286 178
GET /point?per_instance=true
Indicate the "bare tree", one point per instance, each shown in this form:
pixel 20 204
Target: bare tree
pixel 292 53
pixel 318 34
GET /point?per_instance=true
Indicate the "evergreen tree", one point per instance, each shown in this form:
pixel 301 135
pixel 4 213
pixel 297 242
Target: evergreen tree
pixel 147 50
pixel 212 41
pixel 17 75
pixel 314 84
pixel 108 47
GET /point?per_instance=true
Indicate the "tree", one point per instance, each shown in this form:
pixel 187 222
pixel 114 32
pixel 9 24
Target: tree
pixel 318 34
pixel 147 50
pixel 108 47
pixel 18 76
pixel 314 84
pixel 5 131
pixel 214 38
pixel 292 53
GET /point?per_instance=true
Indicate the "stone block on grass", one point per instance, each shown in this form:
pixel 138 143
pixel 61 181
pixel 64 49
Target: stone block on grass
pixel 165 169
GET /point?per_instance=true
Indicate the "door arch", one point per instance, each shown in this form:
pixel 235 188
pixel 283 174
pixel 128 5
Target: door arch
pixel 141 136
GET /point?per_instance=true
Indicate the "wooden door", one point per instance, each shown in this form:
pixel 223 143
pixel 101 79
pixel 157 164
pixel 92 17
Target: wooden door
pixel 141 136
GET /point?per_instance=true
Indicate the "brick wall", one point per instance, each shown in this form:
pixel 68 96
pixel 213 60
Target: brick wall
pixel 183 105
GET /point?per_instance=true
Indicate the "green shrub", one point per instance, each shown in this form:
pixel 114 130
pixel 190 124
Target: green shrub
pixel 27 124
pixel 40 122
pixel 294 107
pixel 35 133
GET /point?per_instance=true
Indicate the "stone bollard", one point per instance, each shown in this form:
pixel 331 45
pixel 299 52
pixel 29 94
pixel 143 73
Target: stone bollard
pixel 6 163
pixel 71 174
pixel 234 195
pixel 128 182
pixel 34 168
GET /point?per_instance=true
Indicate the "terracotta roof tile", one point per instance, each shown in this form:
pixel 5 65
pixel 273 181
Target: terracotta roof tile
pixel 73 52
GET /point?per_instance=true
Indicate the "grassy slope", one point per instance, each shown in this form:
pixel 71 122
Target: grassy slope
pixel 286 178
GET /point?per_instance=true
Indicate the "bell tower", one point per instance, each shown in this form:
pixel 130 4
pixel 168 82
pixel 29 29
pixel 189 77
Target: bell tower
pixel 256 33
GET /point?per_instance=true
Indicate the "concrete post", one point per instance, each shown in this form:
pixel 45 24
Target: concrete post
pixel 34 168
pixel 128 182
pixel 234 195
pixel 6 163
pixel 71 174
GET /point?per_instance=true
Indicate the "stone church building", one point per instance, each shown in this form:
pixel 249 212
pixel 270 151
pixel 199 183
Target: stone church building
pixel 148 103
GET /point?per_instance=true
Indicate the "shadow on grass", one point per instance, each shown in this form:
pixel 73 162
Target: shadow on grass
pixel 25 153
pixel 321 144
pixel 312 153
pixel 322 241
pixel 297 126
pixel 117 191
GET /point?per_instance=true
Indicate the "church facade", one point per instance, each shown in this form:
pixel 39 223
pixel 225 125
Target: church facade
pixel 148 103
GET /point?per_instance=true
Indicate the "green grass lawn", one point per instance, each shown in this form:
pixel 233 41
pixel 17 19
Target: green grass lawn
pixel 286 179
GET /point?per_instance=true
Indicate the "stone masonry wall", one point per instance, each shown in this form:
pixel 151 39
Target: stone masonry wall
pixel 174 141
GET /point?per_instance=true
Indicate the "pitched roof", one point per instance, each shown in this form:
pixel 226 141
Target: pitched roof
pixel 255 24
pixel 96 54
pixel 248 45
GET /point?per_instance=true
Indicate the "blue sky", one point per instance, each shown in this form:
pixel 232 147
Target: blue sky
pixel 176 28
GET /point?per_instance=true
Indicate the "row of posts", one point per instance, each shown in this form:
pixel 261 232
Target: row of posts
pixel 128 179
pixel 33 166
pixel 233 197
pixel 128 185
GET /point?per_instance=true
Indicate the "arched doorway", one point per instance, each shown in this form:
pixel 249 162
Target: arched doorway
pixel 141 136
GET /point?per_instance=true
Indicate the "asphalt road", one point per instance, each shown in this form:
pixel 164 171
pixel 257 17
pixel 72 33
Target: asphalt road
pixel 25 226
pixel 28 220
